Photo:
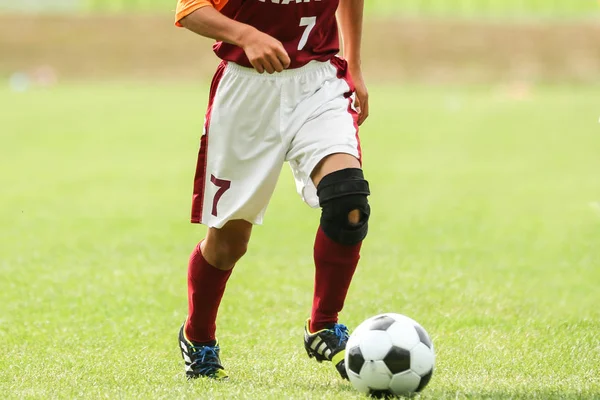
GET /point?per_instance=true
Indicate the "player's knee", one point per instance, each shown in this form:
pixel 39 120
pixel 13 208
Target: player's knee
pixel 228 253
pixel 343 198
pixel 354 217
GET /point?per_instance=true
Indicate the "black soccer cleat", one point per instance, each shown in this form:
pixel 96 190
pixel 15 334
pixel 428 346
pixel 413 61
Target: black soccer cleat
pixel 201 361
pixel 328 345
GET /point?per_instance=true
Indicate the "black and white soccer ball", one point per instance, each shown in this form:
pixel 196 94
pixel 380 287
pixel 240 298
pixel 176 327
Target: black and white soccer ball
pixel 389 355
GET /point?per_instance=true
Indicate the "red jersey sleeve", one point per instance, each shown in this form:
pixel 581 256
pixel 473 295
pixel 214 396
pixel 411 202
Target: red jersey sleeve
pixel 186 7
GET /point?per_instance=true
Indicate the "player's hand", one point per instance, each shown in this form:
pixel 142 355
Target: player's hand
pixel 361 103
pixel 265 52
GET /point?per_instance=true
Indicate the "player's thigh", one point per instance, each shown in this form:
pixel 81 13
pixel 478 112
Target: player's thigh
pixel 325 143
pixel 325 132
pixel 241 154
pixel 332 163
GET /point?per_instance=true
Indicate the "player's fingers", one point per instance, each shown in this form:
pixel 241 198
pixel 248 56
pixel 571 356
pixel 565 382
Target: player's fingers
pixel 275 62
pixel 283 56
pixel 257 66
pixel 364 113
pixel 357 104
pixel 268 67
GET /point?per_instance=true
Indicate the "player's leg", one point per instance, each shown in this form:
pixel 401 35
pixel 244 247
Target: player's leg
pixel 325 156
pixel 210 266
pixel 239 162
pixel 209 269
pixel 342 192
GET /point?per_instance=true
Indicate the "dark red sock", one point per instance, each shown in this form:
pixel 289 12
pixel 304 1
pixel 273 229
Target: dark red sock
pixel 206 285
pixel 335 265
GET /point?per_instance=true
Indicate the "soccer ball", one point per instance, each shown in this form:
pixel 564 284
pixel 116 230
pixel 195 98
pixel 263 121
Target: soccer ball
pixel 389 355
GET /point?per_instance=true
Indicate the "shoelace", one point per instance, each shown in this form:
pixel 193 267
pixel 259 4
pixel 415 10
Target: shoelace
pixel 207 355
pixel 341 332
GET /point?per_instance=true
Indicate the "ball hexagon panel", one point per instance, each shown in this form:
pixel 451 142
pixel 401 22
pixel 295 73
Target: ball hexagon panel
pixel 421 359
pixel 423 336
pixel 405 382
pixel 374 345
pixel 381 323
pixel 376 374
pixel 358 383
pixel 355 359
pixel 424 381
pixel 397 360
pixel 403 334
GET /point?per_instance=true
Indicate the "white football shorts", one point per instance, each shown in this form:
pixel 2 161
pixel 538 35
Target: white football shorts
pixel 255 122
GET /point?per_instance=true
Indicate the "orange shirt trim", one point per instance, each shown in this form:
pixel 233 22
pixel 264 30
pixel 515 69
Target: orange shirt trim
pixel 186 7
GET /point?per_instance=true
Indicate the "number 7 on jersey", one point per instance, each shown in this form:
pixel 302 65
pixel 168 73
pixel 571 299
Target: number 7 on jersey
pixel 309 23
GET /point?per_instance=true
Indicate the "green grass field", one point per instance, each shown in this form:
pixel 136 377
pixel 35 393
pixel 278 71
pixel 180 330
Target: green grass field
pixel 485 228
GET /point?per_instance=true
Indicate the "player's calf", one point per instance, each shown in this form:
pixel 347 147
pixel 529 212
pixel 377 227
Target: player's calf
pixel 225 254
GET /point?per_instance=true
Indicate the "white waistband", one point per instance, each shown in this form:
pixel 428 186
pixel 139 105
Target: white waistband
pixel 312 66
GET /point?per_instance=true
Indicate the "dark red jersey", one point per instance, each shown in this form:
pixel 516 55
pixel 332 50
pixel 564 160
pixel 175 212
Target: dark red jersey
pixel 307 28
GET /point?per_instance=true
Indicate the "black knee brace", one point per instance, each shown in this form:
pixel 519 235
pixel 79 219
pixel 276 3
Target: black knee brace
pixel 340 193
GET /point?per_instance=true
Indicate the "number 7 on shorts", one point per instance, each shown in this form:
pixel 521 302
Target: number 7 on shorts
pixel 223 186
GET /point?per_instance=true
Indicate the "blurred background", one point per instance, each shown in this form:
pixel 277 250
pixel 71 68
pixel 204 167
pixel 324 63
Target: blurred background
pixel 415 40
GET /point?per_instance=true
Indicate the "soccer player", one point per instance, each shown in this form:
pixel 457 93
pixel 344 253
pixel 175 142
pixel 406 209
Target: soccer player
pixel 280 94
